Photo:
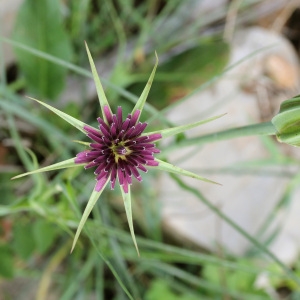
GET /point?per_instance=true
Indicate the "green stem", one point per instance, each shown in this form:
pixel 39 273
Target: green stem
pixel 266 128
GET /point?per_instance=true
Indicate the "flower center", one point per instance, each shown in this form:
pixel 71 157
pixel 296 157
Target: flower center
pixel 120 151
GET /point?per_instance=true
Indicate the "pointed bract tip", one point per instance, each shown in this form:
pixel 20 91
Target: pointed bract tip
pixel 28 97
pixel 156 56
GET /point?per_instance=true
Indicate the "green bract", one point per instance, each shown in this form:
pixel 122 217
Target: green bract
pixel 287 122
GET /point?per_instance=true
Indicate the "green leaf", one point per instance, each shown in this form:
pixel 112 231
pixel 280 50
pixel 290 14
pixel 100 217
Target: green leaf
pixel 101 95
pixel 23 241
pixel 91 203
pixel 176 130
pixel 6 262
pixel 69 163
pixel 44 234
pixel 141 102
pixel 164 166
pixel 39 25
pixel 127 204
pixel 74 122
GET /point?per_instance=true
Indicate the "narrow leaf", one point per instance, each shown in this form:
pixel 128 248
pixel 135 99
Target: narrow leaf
pixel 101 95
pixel 69 163
pixel 127 204
pixel 164 166
pixel 141 102
pixel 45 33
pixel 91 203
pixel 74 122
pixel 175 130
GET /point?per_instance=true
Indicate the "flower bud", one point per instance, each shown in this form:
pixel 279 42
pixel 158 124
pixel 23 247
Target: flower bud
pixel 287 122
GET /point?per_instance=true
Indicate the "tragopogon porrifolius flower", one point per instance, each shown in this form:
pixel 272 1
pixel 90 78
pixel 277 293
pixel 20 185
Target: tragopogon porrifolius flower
pixel 119 150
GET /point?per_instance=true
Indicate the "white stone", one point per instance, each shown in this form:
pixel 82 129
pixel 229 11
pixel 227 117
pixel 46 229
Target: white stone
pixel 246 199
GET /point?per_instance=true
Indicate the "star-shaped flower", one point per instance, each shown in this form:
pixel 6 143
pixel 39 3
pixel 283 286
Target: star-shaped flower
pixel 119 149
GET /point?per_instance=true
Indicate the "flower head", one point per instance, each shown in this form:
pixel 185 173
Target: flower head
pixel 119 149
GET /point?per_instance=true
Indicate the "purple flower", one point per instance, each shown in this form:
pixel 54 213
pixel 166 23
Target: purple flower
pixel 119 149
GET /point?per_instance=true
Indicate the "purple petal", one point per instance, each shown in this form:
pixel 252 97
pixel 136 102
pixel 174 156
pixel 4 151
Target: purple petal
pixel 141 167
pixel 94 153
pixel 101 122
pixel 113 177
pixel 125 186
pixel 143 139
pixel 116 121
pixel 98 146
pixel 132 161
pixel 105 131
pixel 93 131
pixel 120 176
pixel 154 150
pixel 102 175
pixel 142 146
pixel 119 116
pixel 136 173
pixel 90 165
pixel 138 159
pixel 135 117
pixel 154 137
pixel 100 184
pixel 113 129
pixel 95 138
pixel 139 128
pixel 125 124
pixel 127 169
pixel 145 153
pixel 109 166
pixel 82 154
pixel 107 114
pixel 148 157
pixel 81 160
pixel 100 167
pixel 128 133
pixel 128 179
pixel 152 163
